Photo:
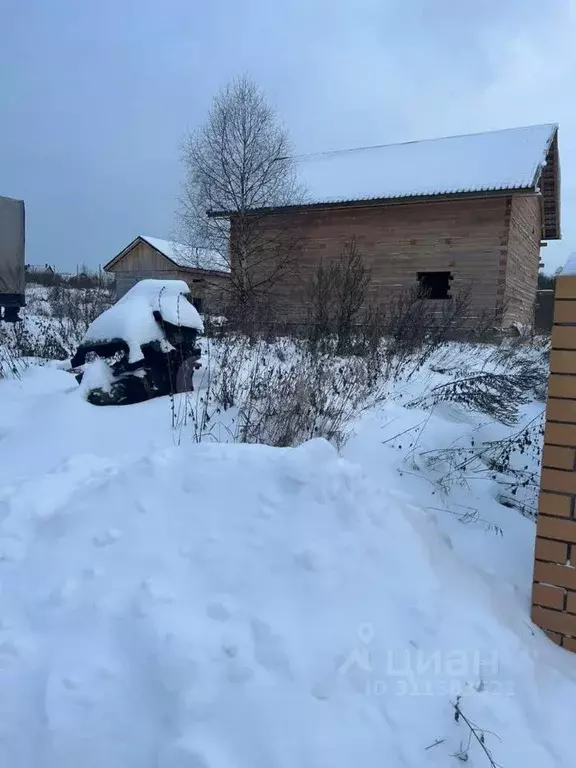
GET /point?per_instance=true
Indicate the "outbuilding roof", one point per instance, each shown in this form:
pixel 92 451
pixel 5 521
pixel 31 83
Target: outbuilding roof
pixel 187 256
pixel 183 256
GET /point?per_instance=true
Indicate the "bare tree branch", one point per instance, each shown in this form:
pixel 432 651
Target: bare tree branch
pixel 239 162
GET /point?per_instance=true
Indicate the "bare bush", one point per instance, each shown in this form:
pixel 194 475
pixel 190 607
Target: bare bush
pixel 38 339
pixel 73 310
pixel 317 385
pixel 313 396
pixel 57 324
pixel 476 736
pixel 337 296
pixel 280 394
pixel 403 333
pixel 504 461
pixel 11 363
pixel 529 359
pixel 227 380
pixel 398 335
pixel 498 395
pixel 80 307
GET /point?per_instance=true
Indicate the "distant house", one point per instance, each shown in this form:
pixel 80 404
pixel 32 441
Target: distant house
pixel 466 213
pixel 149 257
pixel 39 269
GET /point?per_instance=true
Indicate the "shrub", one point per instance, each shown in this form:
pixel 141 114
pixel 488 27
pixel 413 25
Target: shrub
pixel 337 296
pixel 280 394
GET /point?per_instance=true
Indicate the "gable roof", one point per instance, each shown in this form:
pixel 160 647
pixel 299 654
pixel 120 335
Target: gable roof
pixel 188 257
pixel 481 163
pixel 183 256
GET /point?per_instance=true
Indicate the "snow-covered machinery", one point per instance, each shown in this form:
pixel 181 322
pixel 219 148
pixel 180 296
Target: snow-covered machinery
pixel 142 347
pixel 11 258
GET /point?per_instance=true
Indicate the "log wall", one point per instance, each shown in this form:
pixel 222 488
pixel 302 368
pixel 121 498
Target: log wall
pixel 523 259
pixel 466 237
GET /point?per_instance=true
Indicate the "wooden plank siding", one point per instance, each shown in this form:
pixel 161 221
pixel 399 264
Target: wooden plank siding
pixel 143 261
pixel 143 258
pixel 467 237
pixel 523 259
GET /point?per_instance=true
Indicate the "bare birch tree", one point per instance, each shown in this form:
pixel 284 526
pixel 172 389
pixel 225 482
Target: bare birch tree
pixel 238 164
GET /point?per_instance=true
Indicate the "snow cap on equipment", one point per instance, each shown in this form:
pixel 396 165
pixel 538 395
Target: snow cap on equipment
pixel 132 318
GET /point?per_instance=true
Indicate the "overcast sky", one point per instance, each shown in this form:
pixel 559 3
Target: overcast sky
pixel 96 96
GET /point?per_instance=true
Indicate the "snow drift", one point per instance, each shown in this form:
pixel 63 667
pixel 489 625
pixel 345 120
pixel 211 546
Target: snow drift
pixel 210 606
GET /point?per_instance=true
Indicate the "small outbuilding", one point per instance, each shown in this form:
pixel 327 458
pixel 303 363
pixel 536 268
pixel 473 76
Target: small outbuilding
pixel 204 270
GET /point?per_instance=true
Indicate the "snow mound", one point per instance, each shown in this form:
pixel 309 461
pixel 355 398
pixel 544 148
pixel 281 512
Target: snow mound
pixel 210 606
pixel 219 606
pixel 132 319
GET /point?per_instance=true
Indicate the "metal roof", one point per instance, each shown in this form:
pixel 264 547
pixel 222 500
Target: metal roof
pixel 509 159
pixel 188 257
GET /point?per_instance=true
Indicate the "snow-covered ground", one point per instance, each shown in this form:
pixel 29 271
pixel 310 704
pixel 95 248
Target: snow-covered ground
pixel 173 604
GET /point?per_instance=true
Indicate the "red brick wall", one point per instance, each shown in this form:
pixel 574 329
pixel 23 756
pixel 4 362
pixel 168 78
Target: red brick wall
pixel 554 589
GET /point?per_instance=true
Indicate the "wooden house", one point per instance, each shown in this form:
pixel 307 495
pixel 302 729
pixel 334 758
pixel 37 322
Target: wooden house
pixel 465 213
pixel 149 257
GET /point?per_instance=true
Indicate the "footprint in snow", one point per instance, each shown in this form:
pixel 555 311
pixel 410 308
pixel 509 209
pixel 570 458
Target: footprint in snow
pixel 106 538
pixel 307 560
pixel 239 673
pixel 269 649
pixel 218 611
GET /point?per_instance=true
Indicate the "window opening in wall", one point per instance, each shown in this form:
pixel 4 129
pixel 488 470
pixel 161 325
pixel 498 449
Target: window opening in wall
pixel 198 303
pixel 434 285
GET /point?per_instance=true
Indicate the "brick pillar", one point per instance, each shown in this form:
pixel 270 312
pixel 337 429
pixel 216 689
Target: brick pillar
pixel 554 588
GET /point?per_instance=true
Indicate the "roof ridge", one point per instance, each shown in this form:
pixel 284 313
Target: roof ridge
pixel 351 150
pixel 160 239
pixel 175 242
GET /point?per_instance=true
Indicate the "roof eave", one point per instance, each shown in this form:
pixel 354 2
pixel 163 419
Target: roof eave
pixel 379 201
pixel 547 180
pixel 125 251
pixel 204 270
pixel 121 254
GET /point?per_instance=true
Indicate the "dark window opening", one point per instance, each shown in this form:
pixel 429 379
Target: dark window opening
pixel 198 303
pixel 434 285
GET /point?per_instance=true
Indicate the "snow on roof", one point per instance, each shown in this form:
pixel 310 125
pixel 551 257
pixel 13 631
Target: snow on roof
pixel 186 256
pixel 132 319
pixel 570 266
pixel 481 162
